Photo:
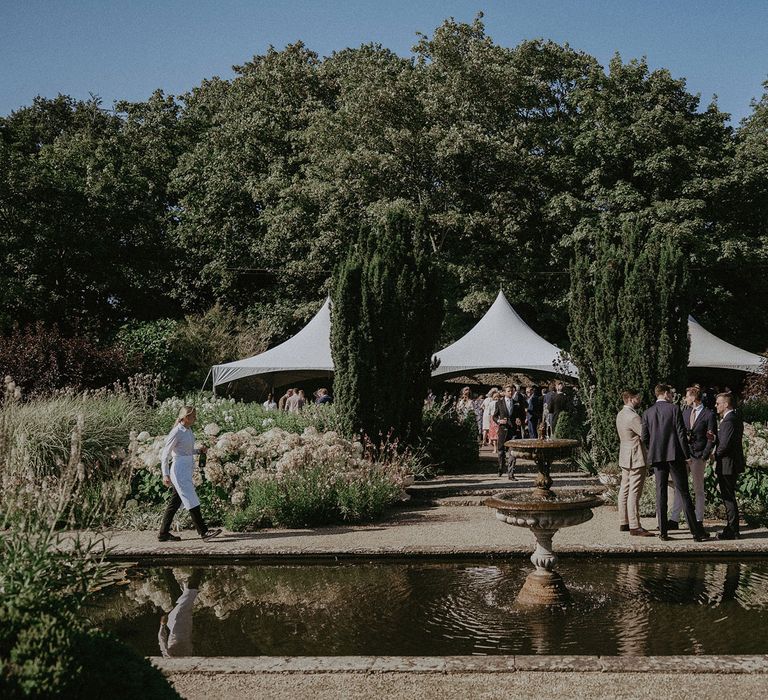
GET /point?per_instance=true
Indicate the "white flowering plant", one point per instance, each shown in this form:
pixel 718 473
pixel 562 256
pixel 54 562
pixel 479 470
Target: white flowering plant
pixel 271 476
pixel 756 445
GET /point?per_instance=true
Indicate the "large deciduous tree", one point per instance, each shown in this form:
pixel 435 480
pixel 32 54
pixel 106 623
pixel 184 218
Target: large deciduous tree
pixel 386 317
pixel 83 212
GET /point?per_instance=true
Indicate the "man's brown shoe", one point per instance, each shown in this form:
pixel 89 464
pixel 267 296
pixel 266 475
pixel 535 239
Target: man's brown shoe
pixel 641 532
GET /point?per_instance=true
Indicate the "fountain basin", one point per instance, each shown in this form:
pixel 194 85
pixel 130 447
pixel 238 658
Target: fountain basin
pixel 544 515
pixel 543 452
pixel 536 448
pixel 528 509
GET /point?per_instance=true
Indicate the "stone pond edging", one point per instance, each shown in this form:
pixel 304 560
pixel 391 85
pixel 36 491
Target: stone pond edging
pixel 714 664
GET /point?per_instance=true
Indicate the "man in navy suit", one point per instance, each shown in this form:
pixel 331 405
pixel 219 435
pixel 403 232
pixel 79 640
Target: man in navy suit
pixel 729 462
pixel 666 440
pixel 701 427
pixel 507 415
pixel 534 410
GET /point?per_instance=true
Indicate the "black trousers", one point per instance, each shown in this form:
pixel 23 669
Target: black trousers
pixel 171 509
pixel 677 470
pixel 727 486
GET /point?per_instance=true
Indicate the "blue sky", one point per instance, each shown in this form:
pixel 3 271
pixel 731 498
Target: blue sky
pixel 125 50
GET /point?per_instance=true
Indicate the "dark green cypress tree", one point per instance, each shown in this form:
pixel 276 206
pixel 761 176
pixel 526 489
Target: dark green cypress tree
pixel 387 312
pixel 629 309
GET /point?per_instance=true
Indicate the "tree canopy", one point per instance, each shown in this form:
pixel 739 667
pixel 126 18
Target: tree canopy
pixel 247 192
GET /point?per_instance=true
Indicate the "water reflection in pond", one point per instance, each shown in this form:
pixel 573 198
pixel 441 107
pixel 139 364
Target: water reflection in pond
pixel 427 608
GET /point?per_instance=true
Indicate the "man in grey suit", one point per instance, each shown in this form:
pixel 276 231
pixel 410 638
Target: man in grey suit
pixel 701 427
pixel 729 462
pixel 666 441
pixel 633 463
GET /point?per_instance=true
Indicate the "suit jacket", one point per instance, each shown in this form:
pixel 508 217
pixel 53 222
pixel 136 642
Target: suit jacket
pixel 700 446
pixel 535 408
pixel 506 430
pixel 520 405
pixel 632 454
pixel 558 403
pixel 664 433
pixel 729 454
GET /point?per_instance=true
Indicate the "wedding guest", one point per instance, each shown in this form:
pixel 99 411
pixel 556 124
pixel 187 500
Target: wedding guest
pixel 558 403
pixel 429 401
pixel 477 406
pixel 729 462
pixel 504 415
pixel 295 402
pixel 700 423
pixel 493 428
pixel 180 448
pixel 464 404
pixel 533 411
pixel 666 441
pixel 549 394
pixel 708 398
pixel 520 406
pixel 633 462
pixel 488 405
pixel 269 404
pixel 322 397
pixel 282 404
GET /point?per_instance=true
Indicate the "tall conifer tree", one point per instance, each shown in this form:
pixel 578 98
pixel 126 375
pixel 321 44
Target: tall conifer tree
pixel 629 310
pixel 386 318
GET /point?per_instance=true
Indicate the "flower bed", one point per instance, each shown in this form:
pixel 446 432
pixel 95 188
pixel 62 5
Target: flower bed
pixel 278 477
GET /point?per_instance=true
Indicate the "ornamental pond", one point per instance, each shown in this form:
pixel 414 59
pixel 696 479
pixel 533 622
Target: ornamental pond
pixel 434 608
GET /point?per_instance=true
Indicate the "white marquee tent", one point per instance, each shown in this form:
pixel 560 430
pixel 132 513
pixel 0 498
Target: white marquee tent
pixel 500 340
pixel 707 350
pixel 307 355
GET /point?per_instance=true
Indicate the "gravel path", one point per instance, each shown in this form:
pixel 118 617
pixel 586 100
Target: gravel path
pixel 463 686
pixel 433 531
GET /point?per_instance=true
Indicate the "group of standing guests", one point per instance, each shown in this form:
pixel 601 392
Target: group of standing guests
pixel 293 400
pixel 673 442
pixel 513 413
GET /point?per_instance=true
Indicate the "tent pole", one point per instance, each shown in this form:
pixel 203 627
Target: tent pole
pixel 205 381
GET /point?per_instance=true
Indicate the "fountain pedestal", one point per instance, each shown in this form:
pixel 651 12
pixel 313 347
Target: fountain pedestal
pixel 544 513
pixel 544 585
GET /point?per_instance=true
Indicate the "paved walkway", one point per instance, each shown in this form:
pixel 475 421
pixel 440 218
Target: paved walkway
pixel 436 526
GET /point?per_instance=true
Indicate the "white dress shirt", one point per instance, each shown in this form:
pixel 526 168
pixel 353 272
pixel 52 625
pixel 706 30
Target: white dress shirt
pixel 179 443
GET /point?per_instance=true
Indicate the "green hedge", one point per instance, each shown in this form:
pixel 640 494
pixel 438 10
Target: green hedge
pixel 450 442
pixel 47 648
pixel 313 497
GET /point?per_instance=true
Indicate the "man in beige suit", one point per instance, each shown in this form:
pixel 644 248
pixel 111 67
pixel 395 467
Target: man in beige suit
pixel 633 462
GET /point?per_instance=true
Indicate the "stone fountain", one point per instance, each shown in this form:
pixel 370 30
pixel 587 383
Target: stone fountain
pixel 544 512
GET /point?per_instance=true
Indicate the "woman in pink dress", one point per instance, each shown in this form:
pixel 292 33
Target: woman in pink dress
pixel 493 426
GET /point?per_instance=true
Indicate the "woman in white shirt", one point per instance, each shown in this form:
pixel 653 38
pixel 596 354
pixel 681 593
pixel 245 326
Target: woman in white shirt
pixel 269 404
pixel 180 445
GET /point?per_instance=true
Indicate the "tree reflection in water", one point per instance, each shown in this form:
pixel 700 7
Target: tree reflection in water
pixel 671 606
